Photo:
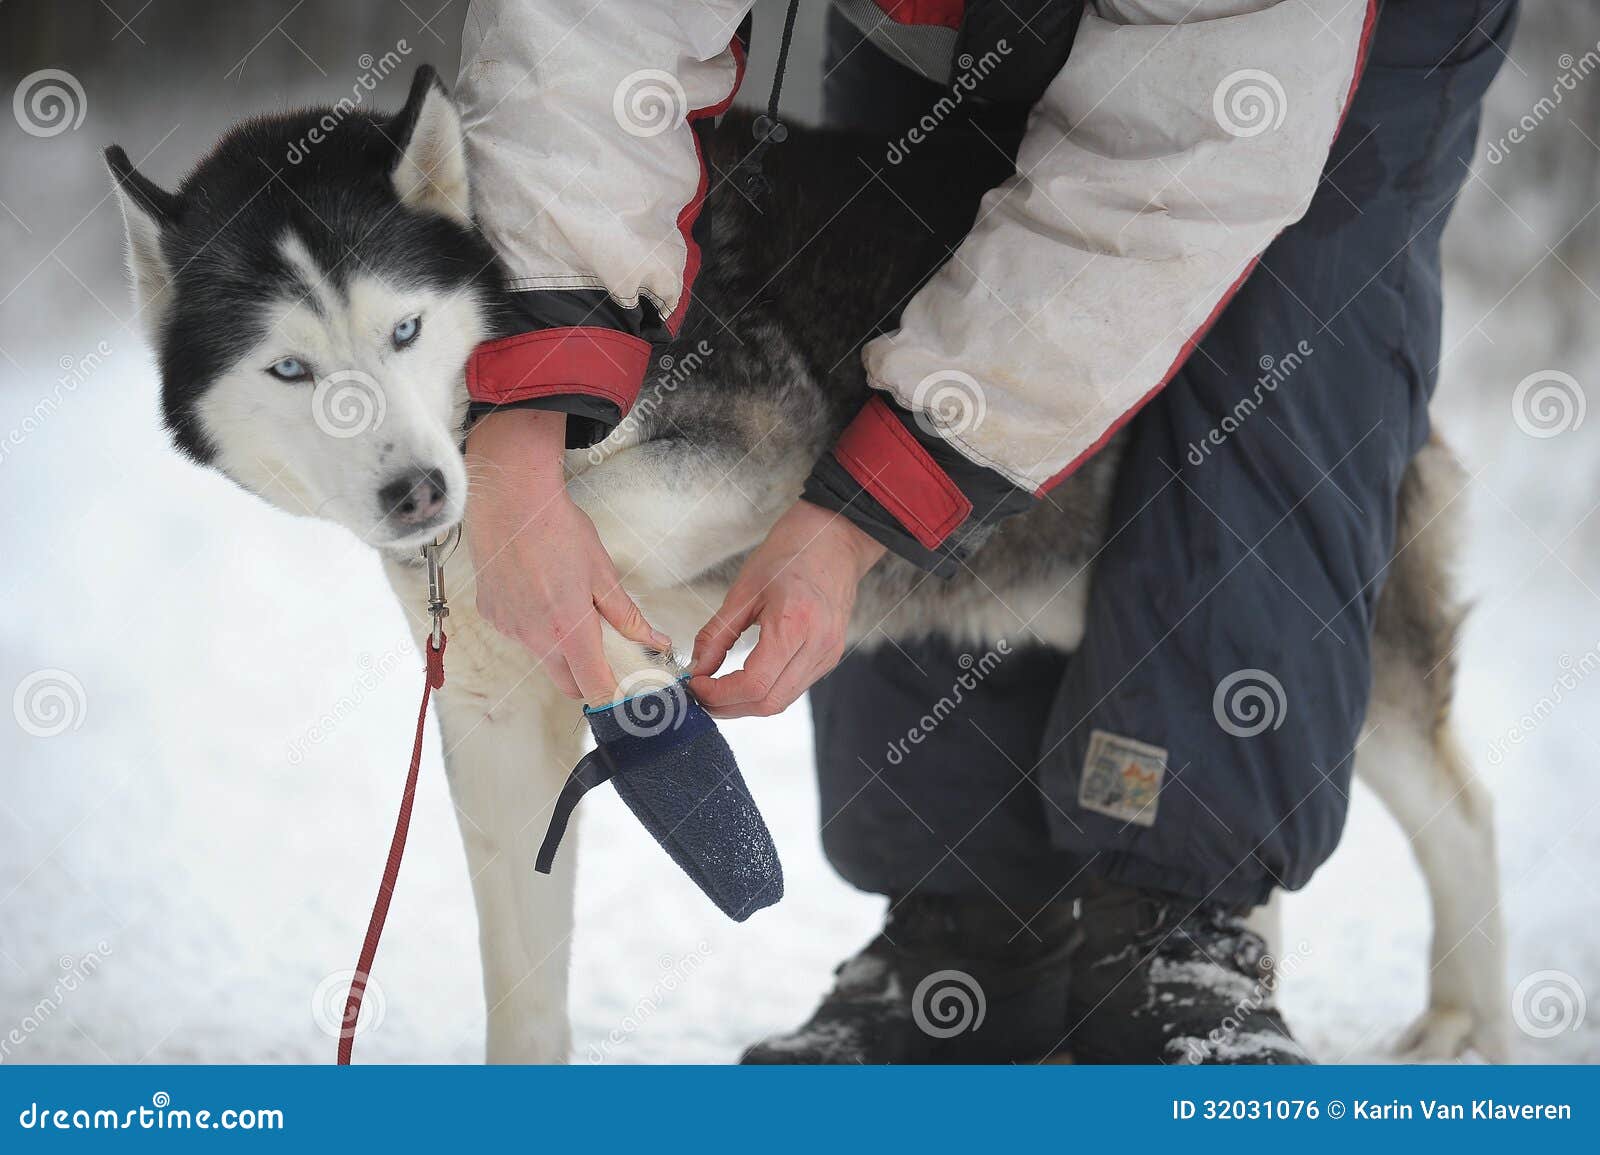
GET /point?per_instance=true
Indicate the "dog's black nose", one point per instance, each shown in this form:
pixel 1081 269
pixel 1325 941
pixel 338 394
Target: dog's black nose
pixel 413 498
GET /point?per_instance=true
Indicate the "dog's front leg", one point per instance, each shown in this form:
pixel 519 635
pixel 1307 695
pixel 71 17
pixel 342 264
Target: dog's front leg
pixel 506 761
pixel 506 765
pixel 509 739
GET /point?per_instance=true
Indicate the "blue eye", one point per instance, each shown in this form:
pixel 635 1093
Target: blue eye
pixel 290 369
pixel 406 331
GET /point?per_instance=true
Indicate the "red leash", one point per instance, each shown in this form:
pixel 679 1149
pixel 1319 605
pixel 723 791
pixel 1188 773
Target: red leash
pixel 391 868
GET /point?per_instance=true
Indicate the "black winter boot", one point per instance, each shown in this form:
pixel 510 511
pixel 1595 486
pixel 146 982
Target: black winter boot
pixel 949 980
pixel 1160 979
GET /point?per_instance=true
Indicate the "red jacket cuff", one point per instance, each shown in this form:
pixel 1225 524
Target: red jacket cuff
pixel 578 359
pixel 880 453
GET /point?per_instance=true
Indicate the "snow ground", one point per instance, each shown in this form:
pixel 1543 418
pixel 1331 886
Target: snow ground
pixel 225 859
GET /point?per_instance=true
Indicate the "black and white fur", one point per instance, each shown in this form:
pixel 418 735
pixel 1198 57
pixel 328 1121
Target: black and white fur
pixel 253 260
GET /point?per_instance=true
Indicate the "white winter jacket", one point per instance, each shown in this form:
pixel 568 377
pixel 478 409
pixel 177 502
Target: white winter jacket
pixel 1179 138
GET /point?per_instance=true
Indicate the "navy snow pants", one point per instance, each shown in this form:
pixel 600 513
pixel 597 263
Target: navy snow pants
pixel 1200 739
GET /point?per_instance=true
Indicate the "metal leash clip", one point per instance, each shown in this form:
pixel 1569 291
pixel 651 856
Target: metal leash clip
pixel 438 607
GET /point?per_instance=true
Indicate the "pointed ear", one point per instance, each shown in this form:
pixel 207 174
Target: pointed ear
pixel 431 173
pixel 147 212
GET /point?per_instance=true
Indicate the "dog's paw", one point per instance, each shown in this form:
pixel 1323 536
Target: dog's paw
pixel 515 1043
pixel 1441 1034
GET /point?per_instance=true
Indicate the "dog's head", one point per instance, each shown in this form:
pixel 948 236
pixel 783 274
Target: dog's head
pixel 312 291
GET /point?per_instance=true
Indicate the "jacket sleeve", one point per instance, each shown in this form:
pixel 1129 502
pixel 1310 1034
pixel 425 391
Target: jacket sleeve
pixel 587 177
pixel 1177 141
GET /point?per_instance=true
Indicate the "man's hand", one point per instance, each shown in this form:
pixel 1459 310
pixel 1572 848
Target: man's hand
pixel 799 586
pixel 544 579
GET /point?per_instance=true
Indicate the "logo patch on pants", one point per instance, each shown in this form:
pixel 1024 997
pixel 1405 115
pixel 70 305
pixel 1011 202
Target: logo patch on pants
pixel 1122 778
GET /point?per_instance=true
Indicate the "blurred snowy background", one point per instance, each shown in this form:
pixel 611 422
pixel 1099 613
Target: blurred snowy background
pixel 185 869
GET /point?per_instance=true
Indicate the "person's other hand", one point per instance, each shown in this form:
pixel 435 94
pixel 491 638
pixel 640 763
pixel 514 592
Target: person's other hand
pixel 544 578
pixel 798 586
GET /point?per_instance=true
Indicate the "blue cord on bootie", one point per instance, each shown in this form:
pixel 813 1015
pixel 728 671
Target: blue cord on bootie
pixel 676 773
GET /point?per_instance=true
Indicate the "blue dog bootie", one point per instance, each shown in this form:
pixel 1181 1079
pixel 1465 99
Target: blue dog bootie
pixel 676 773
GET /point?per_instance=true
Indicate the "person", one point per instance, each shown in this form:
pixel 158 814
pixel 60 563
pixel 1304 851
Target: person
pixel 1215 201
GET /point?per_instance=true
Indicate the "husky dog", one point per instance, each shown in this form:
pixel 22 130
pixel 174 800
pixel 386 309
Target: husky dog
pixel 313 322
